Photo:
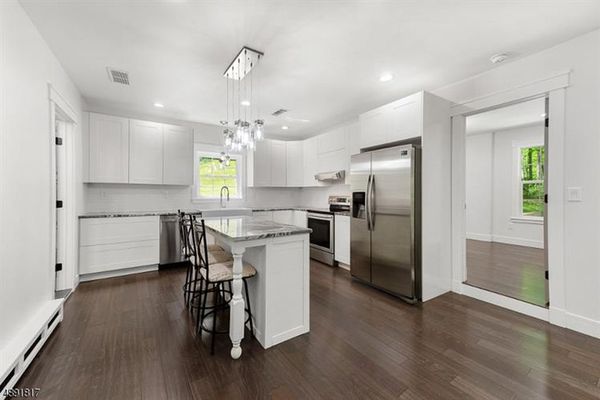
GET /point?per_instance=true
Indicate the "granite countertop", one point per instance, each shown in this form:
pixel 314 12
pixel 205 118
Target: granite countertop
pixel 250 228
pixel 116 214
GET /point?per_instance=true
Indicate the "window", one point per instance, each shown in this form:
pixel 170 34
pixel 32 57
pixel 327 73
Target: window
pixel 532 181
pixel 210 175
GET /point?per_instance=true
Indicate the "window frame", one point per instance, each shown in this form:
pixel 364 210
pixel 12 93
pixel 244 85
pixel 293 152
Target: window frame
pixel 215 152
pixel 521 217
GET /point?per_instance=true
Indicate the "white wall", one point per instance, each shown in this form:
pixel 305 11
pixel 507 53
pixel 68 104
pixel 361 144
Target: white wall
pixel 581 56
pixel 26 67
pixel 492 191
pixel 478 186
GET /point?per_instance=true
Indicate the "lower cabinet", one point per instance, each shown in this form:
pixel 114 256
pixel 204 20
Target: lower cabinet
pixel 342 239
pixel 110 244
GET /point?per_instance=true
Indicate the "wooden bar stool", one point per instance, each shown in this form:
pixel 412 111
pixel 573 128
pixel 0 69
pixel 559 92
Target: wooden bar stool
pixel 214 278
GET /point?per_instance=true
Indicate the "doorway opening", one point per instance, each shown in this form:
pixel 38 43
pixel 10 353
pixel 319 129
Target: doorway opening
pixel 63 228
pixel 506 161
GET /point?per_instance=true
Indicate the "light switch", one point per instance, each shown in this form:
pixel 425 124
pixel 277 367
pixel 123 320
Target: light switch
pixel 574 194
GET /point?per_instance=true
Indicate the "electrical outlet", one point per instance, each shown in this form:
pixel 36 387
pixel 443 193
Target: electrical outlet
pixel 574 194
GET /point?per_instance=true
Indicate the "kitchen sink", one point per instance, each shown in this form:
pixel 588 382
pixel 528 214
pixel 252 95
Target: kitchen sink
pixel 226 212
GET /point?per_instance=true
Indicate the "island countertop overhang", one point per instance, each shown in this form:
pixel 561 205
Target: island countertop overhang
pixel 244 228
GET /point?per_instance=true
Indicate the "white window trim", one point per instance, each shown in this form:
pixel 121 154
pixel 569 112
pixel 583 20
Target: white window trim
pixel 215 151
pixel 519 217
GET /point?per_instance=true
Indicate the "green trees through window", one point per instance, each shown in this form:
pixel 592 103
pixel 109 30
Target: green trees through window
pixel 532 181
pixel 212 175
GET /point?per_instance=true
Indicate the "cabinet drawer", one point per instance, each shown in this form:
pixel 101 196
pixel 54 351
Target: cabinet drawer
pixel 109 257
pixel 97 231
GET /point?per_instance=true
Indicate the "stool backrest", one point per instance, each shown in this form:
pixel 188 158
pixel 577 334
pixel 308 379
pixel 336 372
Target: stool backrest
pixel 185 234
pixel 200 243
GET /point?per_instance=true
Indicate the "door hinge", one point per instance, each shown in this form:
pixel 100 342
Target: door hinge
pixel 546 198
pixel 58 141
pixel 58 267
pixel 547 122
pixel 547 275
pixel 59 204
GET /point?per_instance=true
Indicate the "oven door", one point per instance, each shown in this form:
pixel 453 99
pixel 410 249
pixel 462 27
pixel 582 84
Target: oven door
pixel 321 236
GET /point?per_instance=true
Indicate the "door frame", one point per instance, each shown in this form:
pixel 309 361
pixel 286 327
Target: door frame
pixel 62 110
pixel 554 87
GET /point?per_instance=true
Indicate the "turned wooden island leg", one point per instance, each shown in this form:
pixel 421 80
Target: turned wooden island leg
pixel 237 313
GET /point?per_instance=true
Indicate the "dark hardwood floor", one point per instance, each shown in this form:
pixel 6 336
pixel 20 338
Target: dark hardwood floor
pixel 514 271
pixel 131 338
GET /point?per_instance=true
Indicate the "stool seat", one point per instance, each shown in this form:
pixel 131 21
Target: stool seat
pixel 223 272
pixel 215 257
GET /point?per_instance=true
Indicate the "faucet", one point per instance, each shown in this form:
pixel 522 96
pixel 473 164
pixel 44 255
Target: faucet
pixel 227 189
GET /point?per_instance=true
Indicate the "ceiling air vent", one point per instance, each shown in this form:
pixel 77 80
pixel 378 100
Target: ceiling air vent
pixel 279 112
pixel 117 76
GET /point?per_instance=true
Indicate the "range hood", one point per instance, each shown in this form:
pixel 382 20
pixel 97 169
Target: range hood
pixel 330 176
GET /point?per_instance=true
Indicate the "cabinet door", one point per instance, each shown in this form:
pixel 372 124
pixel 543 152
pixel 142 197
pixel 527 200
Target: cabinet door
pixel 108 149
pixel 310 162
pixel 278 163
pixel 145 152
pixel 332 140
pixel 374 127
pixel 405 119
pixel 342 239
pixel 178 163
pixel 295 164
pixel 283 217
pixel 300 218
pixel 262 163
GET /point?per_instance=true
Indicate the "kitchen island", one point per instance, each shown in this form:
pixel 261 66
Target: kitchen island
pixel 279 293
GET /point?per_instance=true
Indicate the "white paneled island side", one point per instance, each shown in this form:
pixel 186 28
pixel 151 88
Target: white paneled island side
pixel 279 293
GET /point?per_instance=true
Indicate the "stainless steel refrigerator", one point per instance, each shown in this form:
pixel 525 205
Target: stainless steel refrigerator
pixel 386 220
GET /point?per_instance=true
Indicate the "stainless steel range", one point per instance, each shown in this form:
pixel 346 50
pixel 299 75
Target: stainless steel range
pixel 322 223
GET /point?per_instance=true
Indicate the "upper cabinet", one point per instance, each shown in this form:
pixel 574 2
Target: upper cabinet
pixel 178 161
pixel 132 151
pixel 400 120
pixel 310 156
pixel 278 163
pixel 145 152
pixel 295 163
pixel 109 149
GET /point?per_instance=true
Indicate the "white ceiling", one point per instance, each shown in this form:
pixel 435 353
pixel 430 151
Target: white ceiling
pixel 519 114
pixel 322 59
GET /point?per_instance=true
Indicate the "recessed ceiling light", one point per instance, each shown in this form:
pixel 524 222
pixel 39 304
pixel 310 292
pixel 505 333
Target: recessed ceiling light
pixel 159 105
pixel 385 77
pixel 543 115
pixel 245 103
pixel 498 58
pixel 285 127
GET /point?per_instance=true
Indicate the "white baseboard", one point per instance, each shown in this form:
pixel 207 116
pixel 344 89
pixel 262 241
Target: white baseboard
pixel 518 241
pixel 343 266
pixel 117 272
pixel 19 352
pixel 484 237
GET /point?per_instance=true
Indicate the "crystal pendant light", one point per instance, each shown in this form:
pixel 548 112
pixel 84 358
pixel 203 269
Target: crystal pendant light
pixel 242 134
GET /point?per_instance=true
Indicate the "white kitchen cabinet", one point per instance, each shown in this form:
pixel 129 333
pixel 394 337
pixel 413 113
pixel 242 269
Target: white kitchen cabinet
pixel 278 163
pixel 310 156
pixel 259 165
pixel 300 218
pixel 295 164
pixel 396 121
pixel 178 155
pixel 145 152
pixel 109 244
pixel 283 217
pixel 108 150
pixel 342 239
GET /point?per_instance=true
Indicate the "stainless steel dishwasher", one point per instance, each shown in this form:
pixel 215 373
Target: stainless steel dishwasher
pixel 170 240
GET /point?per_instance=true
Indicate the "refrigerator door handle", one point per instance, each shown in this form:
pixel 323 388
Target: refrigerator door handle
pixel 367 203
pixel 372 202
